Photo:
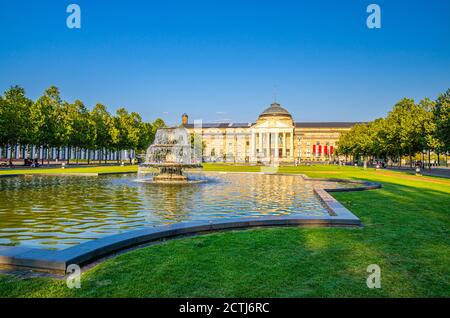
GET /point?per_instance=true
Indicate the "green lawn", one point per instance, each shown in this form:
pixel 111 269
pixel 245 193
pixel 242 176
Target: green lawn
pixel 89 169
pixel 406 233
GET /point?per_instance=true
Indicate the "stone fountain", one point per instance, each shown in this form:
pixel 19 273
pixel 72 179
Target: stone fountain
pixel 170 153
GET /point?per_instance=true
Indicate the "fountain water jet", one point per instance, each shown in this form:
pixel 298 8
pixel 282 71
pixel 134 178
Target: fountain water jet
pixel 170 153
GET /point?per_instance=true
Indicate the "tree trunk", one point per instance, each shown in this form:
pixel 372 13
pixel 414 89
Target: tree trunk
pixel 429 159
pixel 439 158
pixel 10 154
pixel 410 157
pixel 22 149
pixel 13 150
pixel 88 156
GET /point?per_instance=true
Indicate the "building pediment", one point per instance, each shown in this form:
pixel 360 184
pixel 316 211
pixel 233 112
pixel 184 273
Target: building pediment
pixel 273 124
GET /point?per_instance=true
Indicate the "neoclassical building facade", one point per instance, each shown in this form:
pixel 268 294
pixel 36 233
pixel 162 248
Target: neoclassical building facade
pixel 273 138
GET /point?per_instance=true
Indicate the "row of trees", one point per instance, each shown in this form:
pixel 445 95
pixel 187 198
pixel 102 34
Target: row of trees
pixel 410 129
pixel 51 122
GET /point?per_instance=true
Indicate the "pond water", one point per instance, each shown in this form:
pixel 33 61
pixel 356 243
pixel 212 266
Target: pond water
pixel 56 212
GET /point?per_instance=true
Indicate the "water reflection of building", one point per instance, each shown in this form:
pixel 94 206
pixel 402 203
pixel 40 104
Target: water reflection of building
pixel 168 203
pixel 273 137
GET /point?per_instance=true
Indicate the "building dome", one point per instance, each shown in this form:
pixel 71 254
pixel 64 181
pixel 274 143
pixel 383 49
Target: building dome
pixel 275 109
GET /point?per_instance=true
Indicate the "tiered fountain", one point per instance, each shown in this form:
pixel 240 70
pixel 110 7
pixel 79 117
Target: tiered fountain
pixel 170 153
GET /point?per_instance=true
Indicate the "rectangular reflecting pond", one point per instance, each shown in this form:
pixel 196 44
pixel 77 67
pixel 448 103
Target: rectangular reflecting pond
pixel 56 212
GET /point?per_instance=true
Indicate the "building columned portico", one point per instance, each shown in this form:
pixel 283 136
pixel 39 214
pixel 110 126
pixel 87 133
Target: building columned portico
pixel 273 138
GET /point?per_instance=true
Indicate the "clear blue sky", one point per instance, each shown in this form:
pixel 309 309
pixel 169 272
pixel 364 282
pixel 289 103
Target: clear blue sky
pixel 220 60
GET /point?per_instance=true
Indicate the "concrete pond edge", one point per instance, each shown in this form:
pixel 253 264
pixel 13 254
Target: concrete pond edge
pixel 57 261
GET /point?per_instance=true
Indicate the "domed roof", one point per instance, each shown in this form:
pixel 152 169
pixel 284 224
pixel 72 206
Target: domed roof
pixel 275 110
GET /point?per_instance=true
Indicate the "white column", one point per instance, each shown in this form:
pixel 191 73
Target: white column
pixel 292 145
pixel 268 146
pixel 252 147
pixel 276 146
pixel 284 144
pixel 260 143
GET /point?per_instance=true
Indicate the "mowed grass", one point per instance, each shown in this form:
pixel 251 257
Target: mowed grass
pixel 406 233
pixel 89 169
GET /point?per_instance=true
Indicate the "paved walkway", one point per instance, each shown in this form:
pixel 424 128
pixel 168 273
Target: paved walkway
pixel 434 172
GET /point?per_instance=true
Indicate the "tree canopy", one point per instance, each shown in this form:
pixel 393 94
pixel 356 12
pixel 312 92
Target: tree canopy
pixel 52 122
pixel 409 128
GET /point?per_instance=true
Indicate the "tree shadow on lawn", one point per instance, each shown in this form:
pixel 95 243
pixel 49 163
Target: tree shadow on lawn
pixel 410 226
pixel 279 262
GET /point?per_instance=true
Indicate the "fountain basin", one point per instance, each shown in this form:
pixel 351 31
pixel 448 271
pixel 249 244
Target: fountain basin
pixel 170 172
pixel 170 153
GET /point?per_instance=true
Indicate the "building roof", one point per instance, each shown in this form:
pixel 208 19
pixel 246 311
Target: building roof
pixel 222 125
pixel 337 124
pixel 275 109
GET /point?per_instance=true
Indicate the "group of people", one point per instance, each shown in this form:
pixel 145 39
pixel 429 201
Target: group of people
pixel 31 163
pixel 7 163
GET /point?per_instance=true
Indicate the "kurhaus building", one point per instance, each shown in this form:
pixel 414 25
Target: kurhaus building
pixel 274 137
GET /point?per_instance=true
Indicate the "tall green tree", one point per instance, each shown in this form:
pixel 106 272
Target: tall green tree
pixel 103 122
pixel 47 116
pixel 429 139
pixel 145 136
pixel 442 118
pixel 80 127
pixel 405 124
pixel 15 124
pixel 129 128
